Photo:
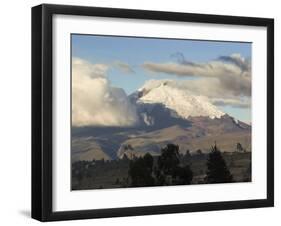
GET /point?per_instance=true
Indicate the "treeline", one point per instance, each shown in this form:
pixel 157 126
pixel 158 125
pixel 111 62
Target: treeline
pixel 167 169
pixel 170 167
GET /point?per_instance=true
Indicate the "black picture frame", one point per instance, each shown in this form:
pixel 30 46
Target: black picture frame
pixel 42 107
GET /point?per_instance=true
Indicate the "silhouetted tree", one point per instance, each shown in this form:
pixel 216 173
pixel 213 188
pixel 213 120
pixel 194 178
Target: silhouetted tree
pixel 182 175
pixel 199 155
pixel 187 154
pixel 168 159
pixel 186 157
pixel 240 148
pixel 199 152
pixel 140 171
pixel 217 171
pixel 148 160
pixel 169 170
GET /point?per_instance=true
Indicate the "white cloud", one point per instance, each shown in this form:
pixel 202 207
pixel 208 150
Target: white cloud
pixel 94 101
pixel 205 87
pixel 226 81
pixel 124 67
pixel 239 103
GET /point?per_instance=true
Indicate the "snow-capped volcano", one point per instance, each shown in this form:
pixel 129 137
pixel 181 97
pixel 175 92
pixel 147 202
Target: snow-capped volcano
pixel 167 113
pixel 179 100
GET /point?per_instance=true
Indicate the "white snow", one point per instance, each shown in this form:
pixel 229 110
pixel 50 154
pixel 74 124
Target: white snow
pixel 181 101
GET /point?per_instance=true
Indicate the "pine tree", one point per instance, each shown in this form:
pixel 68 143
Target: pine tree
pixel 169 169
pixel 169 158
pixel 140 171
pixel 217 171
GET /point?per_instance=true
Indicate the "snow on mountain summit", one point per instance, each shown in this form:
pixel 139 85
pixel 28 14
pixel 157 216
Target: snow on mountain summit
pixel 179 100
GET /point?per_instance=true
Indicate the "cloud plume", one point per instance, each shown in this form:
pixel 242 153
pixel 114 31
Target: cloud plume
pixel 94 101
pixel 226 80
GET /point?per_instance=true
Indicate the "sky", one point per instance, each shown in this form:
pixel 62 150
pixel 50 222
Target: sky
pixel 129 62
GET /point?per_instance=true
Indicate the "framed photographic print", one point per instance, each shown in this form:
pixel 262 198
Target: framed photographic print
pixel 131 105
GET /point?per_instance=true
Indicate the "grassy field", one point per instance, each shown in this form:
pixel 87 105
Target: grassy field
pixel 114 174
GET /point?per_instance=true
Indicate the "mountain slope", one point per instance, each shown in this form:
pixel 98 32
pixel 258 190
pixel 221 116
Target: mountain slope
pixel 202 133
pixel 87 149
